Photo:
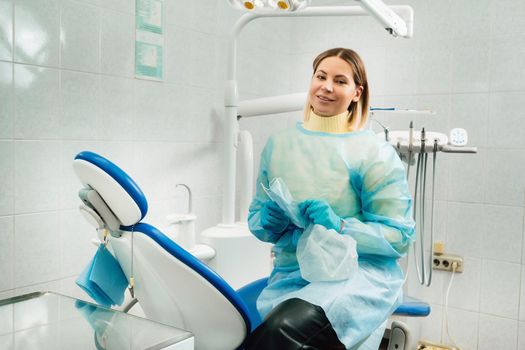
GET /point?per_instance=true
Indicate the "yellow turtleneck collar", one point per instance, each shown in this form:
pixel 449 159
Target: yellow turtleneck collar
pixel 337 124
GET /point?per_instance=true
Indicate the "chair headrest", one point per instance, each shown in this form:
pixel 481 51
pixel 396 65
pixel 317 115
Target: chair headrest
pixel 121 194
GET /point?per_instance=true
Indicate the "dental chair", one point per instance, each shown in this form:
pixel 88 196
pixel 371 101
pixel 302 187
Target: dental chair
pixel 171 285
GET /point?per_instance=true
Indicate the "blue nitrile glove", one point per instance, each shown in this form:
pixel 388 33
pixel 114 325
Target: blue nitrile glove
pixel 319 212
pixel 273 218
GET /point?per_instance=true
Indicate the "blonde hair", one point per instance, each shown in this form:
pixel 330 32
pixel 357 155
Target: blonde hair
pixel 358 111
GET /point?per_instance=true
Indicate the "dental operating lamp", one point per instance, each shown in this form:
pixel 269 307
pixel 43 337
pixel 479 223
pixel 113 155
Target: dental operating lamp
pixel 384 14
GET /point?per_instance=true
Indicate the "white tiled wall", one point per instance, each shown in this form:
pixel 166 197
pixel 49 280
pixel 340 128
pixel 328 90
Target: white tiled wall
pixel 465 62
pixel 67 84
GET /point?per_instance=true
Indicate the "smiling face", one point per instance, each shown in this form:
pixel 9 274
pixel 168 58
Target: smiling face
pixel 332 88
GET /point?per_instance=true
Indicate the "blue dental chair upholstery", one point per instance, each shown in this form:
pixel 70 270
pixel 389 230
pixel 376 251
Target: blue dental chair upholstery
pixel 171 285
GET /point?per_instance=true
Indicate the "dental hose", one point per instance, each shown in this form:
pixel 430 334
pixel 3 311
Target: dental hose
pixel 425 271
pixel 423 184
pixel 431 255
pixel 410 141
pixel 420 273
pixel 132 276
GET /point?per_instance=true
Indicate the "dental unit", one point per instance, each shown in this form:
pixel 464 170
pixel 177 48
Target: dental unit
pixel 214 300
pixel 408 144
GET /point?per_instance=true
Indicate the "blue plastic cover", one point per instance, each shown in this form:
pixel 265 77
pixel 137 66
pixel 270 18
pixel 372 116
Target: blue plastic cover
pixel 103 279
pixel 120 176
pixel 413 307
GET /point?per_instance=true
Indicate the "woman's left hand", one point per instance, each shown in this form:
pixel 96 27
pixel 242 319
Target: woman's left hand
pixel 321 213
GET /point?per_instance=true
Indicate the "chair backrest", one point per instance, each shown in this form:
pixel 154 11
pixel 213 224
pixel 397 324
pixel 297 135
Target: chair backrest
pixel 171 285
pixel 175 288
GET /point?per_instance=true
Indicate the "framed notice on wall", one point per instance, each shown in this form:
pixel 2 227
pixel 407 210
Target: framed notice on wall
pixel 149 40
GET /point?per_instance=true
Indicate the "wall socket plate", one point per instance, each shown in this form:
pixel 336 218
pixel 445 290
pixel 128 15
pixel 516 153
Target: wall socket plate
pixel 428 345
pixel 444 262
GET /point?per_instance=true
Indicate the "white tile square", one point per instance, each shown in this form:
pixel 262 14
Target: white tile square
pixel 203 15
pixel 465 291
pixel 465 228
pixel 6 323
pixel 506 122
pixel 117 55
pixel 502 238
pixel 202 59
pixel 521 336
pixel 476 28
pixel 7 170
pixel 116 120
pixel 6 30
pixel 401 77
pixel 434 28
pixel 202 123
pixel 37 176
pixel 6 100
pixel 470 67
pixel 125 6
pixel 177 45
pixel 79 105
pixel 505 184
pixel 466 176
pixel 497 333
pixel 76 249
pixel 150 100
pixel 431 326
pixel 69 182
pixel 506 57
pixel 275 68
pixel 37 92
pixel 249 79
pixel 37 32
pixel 37 254
pixel 7 258
pixel 471 112
pixel 433 71
pixel 506 18
pixel 463 328
pixel 500 283
pixel 80 37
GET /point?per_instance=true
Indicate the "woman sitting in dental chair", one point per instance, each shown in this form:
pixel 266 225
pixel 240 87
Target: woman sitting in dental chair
pixel 350 183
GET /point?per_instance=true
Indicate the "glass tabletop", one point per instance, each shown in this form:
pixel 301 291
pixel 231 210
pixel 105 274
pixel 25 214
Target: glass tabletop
pixel 47 320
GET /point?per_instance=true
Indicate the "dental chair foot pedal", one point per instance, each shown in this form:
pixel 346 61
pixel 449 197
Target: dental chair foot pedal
pixel 399 337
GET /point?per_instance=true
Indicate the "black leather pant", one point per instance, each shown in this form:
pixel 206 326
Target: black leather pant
pixel 294 324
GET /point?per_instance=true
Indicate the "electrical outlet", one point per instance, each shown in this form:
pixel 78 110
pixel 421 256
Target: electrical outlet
pixel 445 262
pixel 428 345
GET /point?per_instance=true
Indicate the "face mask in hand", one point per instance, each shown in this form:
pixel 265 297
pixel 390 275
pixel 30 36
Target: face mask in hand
pixel 279 193
pixel 323 255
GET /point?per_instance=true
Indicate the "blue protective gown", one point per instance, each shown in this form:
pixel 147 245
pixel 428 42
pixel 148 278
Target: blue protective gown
pixel 363 179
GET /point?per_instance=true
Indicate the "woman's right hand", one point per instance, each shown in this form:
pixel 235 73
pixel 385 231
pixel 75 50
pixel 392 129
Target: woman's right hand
pixel 273 218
